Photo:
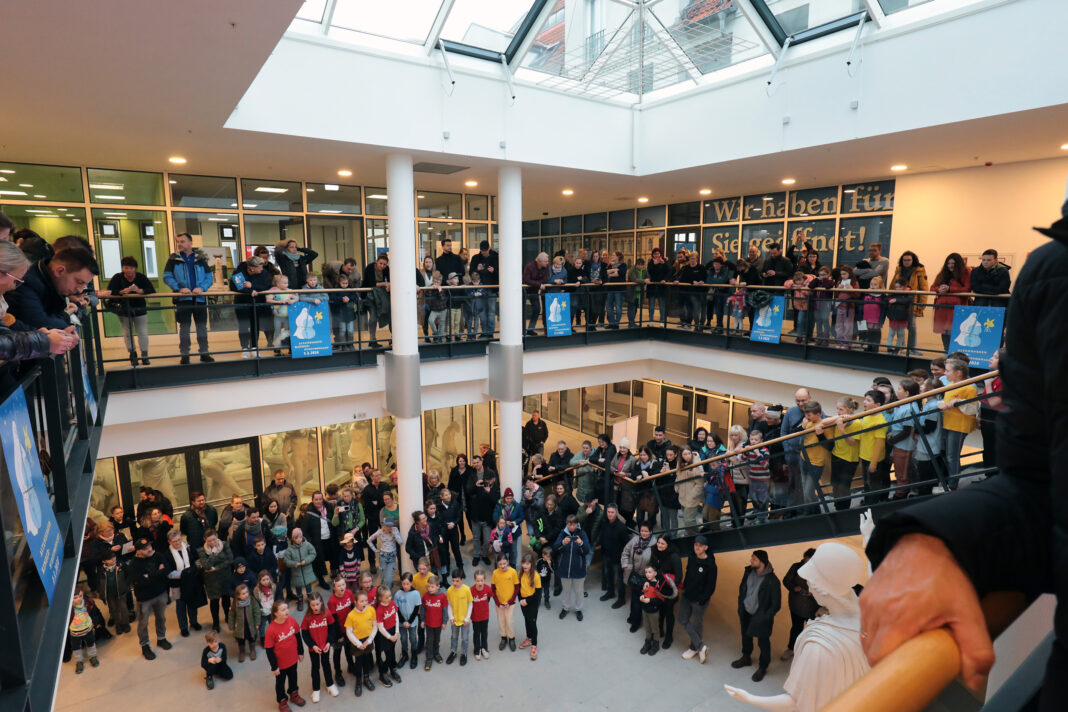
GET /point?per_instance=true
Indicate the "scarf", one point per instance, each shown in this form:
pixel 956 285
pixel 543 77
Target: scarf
pixel 243 602
pixel 425 534
pixel 642 545
pixel 216 550
pixel 181 557
pixel 293 257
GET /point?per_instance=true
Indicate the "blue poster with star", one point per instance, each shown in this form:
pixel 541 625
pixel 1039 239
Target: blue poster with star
pixel 558 314
pixel 977 332
pixel 767 321
pixel 309 329
pixel 39 524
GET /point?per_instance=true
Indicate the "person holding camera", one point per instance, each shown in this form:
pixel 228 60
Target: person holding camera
pixel 571 546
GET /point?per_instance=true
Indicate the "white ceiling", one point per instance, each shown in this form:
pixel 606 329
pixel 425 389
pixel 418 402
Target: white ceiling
pixel 116 84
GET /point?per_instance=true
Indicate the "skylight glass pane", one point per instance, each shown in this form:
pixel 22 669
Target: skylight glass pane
pixel 408 21
pixel 489 24
pixel 891 6
pixel 312 10
pixel 712 34
pixel 798 15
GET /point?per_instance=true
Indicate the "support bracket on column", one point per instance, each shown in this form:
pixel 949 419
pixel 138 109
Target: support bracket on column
pixel 403 392
pixel 505 382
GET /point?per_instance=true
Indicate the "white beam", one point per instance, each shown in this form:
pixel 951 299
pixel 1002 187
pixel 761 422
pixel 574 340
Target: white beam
pixel 431 41
pixel 532 34
pixel 328 15
pixel 875 12
pixel 617 41
pixel 747 9
pixel 672 46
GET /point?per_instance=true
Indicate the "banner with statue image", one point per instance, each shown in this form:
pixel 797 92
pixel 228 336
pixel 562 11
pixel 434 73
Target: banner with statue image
pixel 767 319
pixel 977 332
pixel 558 314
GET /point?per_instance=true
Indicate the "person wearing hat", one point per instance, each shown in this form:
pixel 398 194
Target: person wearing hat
pixel 828 657
pixel 697 590
pixel 485 264
pixel 386 544
pixel 147 573
pixel 759 599
pixel 455 299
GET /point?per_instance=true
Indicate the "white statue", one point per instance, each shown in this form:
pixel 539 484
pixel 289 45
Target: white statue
pixel 827 655
pixel 305 325
pixel 31 506
pixel 971 331
pixel 555 310
pixel 763 319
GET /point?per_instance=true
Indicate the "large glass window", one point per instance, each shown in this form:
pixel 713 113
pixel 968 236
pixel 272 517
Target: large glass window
pixel 47 221
pixel 477 207
pixel 119 187
pixel 432 233
pixel 165 473
pixel 270 230
pixel 386 435
pixel 105 493
pixel 376 201
pixel 892 6
pixel 334 238
pixel 445 437
pixel 26 181
pixel 621 219
pixel 651 217
pixel 226 471
pixel 647 408
pixel 346 446
pixel 332 198
pixel 713 35
pixel 475 235
pixel 482 430
pixel 439 205
pixel 408 21
pixel 684 213
pixel 141 234
pixel 218 234
pixel 712 413
pixel 377 239
pixel 271 195
pixel 594 420
pixel 203 192
pixel 570 408
pixel 795 16
pixel 617 403
pixel 297 453
pixel 487 24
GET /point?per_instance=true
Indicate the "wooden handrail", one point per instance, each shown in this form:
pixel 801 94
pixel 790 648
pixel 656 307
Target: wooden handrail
pixel 539 480
pixel 219 292
pixel 845 419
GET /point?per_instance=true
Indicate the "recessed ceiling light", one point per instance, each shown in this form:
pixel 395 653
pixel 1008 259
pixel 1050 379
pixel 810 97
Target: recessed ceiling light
pixel 384 197
pixel 331 186
pixel 705 191
pixel 269 189
pixel 788 181
pixel 567 191
pixel 849 190
pixel 101 196
pixel 25 185
pixel 107 186
pixel 899 167
pixel 173 182
pixel 250 206
pixel 46 211
pixel 767 197
pixel 217 220
pixel 329 211
pixel 643 199
pixel 12 192
pixel 38 195
pixel 378 196
pixel 1064 147
pixel 471 183
pixel 344 173
pixel 310 190
pixel 177 160
pixel 76 219
pixel 6 170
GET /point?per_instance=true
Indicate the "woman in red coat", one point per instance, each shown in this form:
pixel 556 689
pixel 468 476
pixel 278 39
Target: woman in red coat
pixel 952 279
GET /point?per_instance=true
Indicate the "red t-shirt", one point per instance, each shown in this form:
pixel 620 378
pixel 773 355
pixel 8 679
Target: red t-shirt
pixel 434 605
pixel 340 607
pixel 318 626
pixel 387 616
pixel 480 609
pixel 282 637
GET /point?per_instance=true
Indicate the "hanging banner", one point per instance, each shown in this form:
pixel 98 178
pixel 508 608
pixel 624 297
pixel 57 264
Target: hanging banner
pixel 90 397
pixel 558 314
pixel 309 329
pixel 31 496
pixel 977 332
pixel 767 321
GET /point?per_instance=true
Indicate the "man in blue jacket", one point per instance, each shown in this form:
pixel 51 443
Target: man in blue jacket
pixel 187 272
pixel 571 548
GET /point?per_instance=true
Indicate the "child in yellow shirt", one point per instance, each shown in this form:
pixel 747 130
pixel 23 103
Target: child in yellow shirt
pixel 460 606
pixel 505 584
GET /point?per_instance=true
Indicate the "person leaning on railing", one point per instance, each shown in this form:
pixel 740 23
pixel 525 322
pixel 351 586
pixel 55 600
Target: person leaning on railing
pixel 936 559
pixel 18 342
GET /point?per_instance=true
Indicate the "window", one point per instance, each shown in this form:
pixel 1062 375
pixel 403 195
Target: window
pixel 269 230
pixel 477 207
pixel 47 221
pixel 891 6
pixel 408 21
pixel 684 213
pixel 486 24
pixel 376 201
pixel 269 195
pixel 332 198
pixel 25 181
pixel 439 205
pixel 651 217
pixel 203 192
pixel 119 187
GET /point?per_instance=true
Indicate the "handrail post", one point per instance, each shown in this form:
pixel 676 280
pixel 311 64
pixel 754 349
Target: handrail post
pixel 54 433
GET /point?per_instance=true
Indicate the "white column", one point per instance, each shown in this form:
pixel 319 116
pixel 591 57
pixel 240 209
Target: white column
pixel 510 206
pixel 403 363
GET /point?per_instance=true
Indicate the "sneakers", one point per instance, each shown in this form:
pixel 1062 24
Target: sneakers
pixel 204 358
pixel 332 689
pixel 210 682
pixel 451 659
pixel 315 693
pixel 759 674
pixel 79 667
pixel 245 353
pixel 485 654
pixel 94 661
pixel 533 652
pixel 384 681
pixel 787 655
pixel 146 651
pixel 164 643
pixel 511 644
pixel 563 614
pixel 283 706
pixel 744 661
pixel 463 659
pixel 478 655
pixel 425 667
pixel 525 644
pixel 295 697
pixel 578 615
pixel 690 654
pixel 702 654
pixel 438 660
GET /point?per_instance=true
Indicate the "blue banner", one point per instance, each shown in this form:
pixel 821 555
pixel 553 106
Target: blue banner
pixel 27 483
pixel 767 321
pixel 558 314
pixel 90 397
pixel 309 329
pixel 977 332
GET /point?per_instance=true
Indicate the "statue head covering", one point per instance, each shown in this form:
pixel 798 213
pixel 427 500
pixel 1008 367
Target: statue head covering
pixel 834 568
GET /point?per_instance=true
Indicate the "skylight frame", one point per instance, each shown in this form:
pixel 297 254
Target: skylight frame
pixel 526 26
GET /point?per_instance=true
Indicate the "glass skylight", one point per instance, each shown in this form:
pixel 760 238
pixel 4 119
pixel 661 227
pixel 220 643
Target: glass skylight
pixel 404 20
pixel 891 6
pixel 487 24
pixel 796 16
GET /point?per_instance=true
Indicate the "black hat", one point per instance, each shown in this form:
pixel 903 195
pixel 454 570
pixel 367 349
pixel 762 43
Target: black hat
pixel 142 544
pixel 700 539
pixel 1059 229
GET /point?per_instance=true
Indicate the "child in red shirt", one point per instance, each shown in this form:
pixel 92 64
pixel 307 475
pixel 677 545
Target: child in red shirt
pixel 284 650
pixel 480 608
pixel 339 604
pixel 319 633
pixel 387 636
pixel 434 604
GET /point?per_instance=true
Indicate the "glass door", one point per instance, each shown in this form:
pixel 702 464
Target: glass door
pixel 676 413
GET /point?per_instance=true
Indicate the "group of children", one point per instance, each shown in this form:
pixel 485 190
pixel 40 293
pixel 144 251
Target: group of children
pixel 858 315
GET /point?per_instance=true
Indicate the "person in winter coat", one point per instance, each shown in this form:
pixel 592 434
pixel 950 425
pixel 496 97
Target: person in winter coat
pixel 244 620
pixel 131 310
pixel 584 477
pixel 759 599
pixel 802 604
pixel 294 262
pixel 196 520
pixel 613 539
pixel 298 559
pixel 602 458
pixel 571 547
pixel 215 558
pixel 657 591
pixel 421 542
pixel 319 532
pixel 535 432
pixel 560 460
pixel 911 273
pixel 689 485
pixel 183 578
pixel 697 590
pixel 952 279
pixel 187 272
pixel 621 466
pixel 483 497
pixel 990 277
pixel 512 512
pixel 635 557
pixel 665 557
pixel 451 525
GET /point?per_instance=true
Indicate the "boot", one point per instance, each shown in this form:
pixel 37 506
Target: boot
pixel 667 641
pixel 645 647
pixel 367 683
pixel 133 358
pixel 403 659
pixel 357 686
pixel 241 653
pixel 252 651
pixel 384 681
pixel 395 675
pixel 744 661
pixel 283 706
pixel 339 679
pixel 296 699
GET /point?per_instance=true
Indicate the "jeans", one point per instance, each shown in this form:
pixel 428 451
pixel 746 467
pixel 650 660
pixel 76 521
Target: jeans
pixel 436 323
pixel 480 532
pixel 842 474
pixel 801 322
pixel 797 624
pixel 476 316
pixel 691 517
pixel 670 518
pixel 388 561
pixel 250 319
pixel 138 324
pixel 954 445
pixel 873 481
pixel 346 332
pixel 158 607
pixel 634 309
pixel 573 588
pixel 489 321
pixel 183 313
pixel 895 339
pixel 747 642
pixel 614 307
pixel 810 486
pixel 692 620
pixel 696 308
pixel 86 643
pixel 461 634
pixel 717 303
pixel 409 639
pixel 530 617
pixel 613 576
pixel 654 300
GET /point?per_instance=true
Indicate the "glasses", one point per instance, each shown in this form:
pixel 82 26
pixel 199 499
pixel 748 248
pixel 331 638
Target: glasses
pixel 16 280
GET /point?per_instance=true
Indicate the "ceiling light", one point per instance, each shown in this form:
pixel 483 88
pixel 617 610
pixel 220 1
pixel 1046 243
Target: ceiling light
pixel 115 215
pixel 107 186
pixel 377 196
pixel 269 189
pixel 1064 147
pixel 899 167
pixel 173 182
pixel 310 190
pixel 25 185
pixel 705 191
pixel 567 191
pixel 418 196
pixel 177 160
pixel 6 170
pixel 849 190
pixel 331 186
pixel 344 173
pixel 38 195
pixel 47 211
pixel 250 206
pixel 767 197
pixel 12 192
pixel 643 199
pixel 76 219
pixel 471 183
pixel 329 211
pixel 788 181
pixel 217 220
pixel 101 196
pixel 233 205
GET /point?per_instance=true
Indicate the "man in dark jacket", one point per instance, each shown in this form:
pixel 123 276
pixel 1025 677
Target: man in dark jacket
pixel 560 460
pixel 935 560
pixel 486 265
pixel 535 433
pixel 448 261
pixel 697 589
pixel 318 530
pixel 282 492
pixel 776 269
pixel 376 277
pixel 759 599
pixel 571 547
pixel 243 535
pixel 535 274
pixel 251 281
pixel 484 495
pixel 802 604
pixel 40 301
pixel 659 444
pixel 147 573
pixel 372 508
pixel 199 517
pixel 613 537
pixel 187 272
pixel 602 457
pixel 990 277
